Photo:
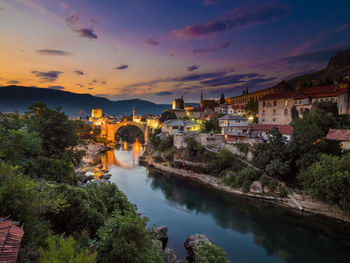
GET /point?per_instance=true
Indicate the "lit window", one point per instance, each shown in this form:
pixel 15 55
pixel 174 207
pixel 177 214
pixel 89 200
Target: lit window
pixel 286 103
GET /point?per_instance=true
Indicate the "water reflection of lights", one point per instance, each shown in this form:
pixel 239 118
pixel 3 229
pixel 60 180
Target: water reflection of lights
pixel 121 156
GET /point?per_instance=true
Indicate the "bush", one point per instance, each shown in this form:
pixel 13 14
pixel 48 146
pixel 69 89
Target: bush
pixel 264 180
pixel 283 192
pixel 209 253
pixel 272 185
pixel 125 239
pixel 329 180
pixel 63 250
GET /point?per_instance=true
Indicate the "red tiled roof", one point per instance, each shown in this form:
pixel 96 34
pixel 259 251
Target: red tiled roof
pixel 10 241
pixel 321 92
pixel 284 95
pixel 338 135
pixel 283 129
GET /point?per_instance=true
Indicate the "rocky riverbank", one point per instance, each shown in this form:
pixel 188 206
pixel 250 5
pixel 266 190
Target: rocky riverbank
pixel 90 169
pixel 298 202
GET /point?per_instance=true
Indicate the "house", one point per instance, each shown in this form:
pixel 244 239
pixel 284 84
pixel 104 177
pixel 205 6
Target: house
pixel 234 128
pixel 305 99
pixel 10 240
pixel 172 127
pixel 342 136
pixel 276 108
pixel 235 109
pixel 259 132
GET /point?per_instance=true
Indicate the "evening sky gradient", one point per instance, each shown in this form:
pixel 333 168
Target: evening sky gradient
pixel 161 49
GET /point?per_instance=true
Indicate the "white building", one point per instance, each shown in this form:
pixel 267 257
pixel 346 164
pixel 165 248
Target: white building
pixel 172 127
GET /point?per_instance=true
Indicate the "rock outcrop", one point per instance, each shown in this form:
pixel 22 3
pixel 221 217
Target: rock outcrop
pixel 192 241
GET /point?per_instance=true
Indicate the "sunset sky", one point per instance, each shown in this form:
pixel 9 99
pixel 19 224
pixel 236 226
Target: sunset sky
pixel 161 49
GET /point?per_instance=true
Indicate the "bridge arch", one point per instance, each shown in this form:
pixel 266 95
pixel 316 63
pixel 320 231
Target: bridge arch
pixel 109 130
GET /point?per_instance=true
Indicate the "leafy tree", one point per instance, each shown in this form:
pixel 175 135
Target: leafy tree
pixel 20 147
pixel 209 253
pixel 252 107
pixel 210 126
pixel 167 115
pixel 329 180
pixel 64 250
pixel 57 132
pixel 125 239
pixel 12 121
pixel 21 199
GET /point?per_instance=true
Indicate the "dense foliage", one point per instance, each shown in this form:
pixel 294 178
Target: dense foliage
pixel 39 189
pixel 209 253
pixel 167 115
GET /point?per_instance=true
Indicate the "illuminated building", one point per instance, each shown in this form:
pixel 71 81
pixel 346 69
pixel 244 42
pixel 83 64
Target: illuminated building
pixel 178 104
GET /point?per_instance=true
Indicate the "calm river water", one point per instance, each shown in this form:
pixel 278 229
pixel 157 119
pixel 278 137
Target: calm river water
pixel 248 230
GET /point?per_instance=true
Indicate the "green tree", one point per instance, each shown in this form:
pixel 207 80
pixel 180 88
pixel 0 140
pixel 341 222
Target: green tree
pixel 294 113
pixel 167 115
pixel 125 239
pixel 210 126
pixel 64 250
pixel 209 253
pixel 329 180
pixel 252 107
pixel 57 132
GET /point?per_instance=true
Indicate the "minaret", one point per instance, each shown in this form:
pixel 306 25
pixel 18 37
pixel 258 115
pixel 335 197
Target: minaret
pixel 133 113
pixel 201 102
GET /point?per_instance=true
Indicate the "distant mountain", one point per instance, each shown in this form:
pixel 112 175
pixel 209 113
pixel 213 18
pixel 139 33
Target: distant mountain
pixel 19 98
pixel 337 68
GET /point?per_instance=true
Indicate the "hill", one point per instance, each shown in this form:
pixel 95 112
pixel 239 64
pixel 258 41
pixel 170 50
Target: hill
pixel 337 68
pixel 19 98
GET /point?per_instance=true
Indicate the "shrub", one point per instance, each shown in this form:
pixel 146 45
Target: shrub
pixel 264 180
pixel 209 253
pixel 62 250
pixel 283 192
pixel 272 185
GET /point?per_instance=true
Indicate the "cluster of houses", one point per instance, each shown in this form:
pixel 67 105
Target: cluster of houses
pixel 274 111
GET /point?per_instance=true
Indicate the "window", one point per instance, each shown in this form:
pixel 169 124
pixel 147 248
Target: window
pixel 274 112
pixel 285 112
pixel 263 103
pixel 296 102
pixel 286 103
pixel 274 119
pixel 300 102
pixel 274 103
pixel 326 99
pixel 332 99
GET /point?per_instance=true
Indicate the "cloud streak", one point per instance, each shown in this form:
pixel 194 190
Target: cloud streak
pixel 150 41
pixel 79 72
pixel 121 67
pixel 192 68
pixel 234 19
pixel 48 76
pixel 85 32
pixel 54 52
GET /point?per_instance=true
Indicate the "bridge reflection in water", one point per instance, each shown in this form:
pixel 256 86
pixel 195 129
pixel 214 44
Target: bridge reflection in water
pixel 123 160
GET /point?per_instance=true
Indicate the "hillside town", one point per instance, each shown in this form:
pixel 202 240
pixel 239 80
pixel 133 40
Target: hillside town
pixel 250 117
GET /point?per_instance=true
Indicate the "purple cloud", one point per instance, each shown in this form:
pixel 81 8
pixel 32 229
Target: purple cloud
pixel 53 52
pixel 236 18
pixel 164 93
pixel 192 68
pixel 56 87
pixel 226 44
pixel 72 20
pixel 79 72
pixel 121 67
pixel 201 51
pixel 49 76
pixel 151 42
pixel 13 82
pixel 86 33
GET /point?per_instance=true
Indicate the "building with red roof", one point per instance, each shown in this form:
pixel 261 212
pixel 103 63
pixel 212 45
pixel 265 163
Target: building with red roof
pixel 10 240
pixel 342 136
pixel 276 108
pixel 332 93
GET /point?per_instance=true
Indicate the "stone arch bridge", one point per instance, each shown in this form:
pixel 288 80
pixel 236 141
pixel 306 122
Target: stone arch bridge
pixel 108 130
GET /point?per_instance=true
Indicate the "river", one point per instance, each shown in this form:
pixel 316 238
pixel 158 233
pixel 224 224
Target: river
pixel 248 230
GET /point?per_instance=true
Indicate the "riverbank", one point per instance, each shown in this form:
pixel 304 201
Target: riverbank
pixel 300 203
